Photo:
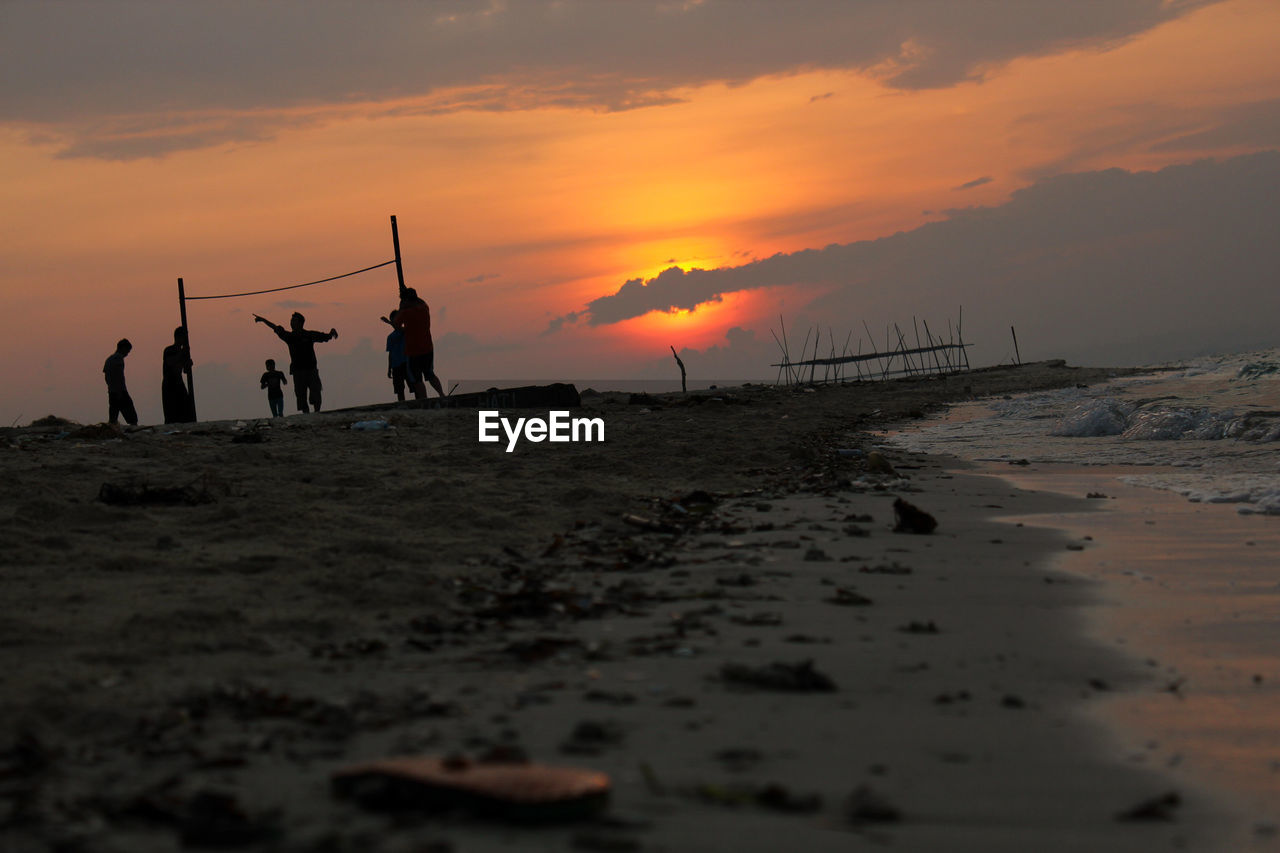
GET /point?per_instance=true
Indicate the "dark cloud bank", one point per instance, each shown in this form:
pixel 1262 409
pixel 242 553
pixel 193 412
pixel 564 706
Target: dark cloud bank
pixel 1109 267
pixel 136 78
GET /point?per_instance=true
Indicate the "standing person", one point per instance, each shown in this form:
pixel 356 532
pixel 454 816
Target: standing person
pixel 397 360
pixel 302 357
pixel 118 400
pixel 414 317
pixel 178 406
pixel 272 380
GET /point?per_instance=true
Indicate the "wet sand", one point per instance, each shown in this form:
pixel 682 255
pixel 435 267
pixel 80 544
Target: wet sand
pixel 196 671
pixel 1192 590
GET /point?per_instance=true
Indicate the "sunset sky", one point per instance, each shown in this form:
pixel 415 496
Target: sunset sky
pixel 580 185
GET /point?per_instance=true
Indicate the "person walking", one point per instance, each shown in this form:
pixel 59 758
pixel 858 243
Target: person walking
pixel 118 400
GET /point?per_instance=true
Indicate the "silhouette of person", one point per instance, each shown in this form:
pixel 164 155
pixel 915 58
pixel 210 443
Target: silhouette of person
pixel 272 380
pixel 302 357
pixel 118 400
pixel 174 396
pixel 414 317
pixel 397 360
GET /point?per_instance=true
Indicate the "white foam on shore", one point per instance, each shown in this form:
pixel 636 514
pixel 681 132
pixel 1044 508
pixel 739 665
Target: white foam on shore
pixel 1211 427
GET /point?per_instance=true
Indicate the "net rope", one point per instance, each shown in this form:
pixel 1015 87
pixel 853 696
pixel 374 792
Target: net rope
pixel 294 286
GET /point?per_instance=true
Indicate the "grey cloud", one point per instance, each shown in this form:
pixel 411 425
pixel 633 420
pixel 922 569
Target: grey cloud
pixel 976 182
pixel 1097 266
pixel 77 68
pixel 1254 125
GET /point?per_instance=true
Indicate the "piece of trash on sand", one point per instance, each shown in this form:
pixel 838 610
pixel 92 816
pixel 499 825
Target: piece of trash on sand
pixel 867 805
pixel 877 464
pixel 521 792
pixel 1157 808
pixel 139 494
pixel 371 426
pixel 794 677
pixel 909 518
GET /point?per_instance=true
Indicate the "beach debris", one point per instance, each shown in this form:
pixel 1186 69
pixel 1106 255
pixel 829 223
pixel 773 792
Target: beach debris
pixel 798 677
pixel 908 518
pixel 371 426
pixel 877 464
pixel 1020 462
pixel 763 619
pixel 52 421
pixel 739 759
pixel 540 648
pixel 847 598
pixel 592 737
pixel 521 792
pixel 1161 808
pixel 697 502
pixel 1012 701
pixel 914 627
pixel 203 819
pixel 867 805
pixel 95 432
pixel 649 525
pixel 885 569
pixel 770 796
pixel 139 494
pixel 1096 496
pixel 855 530
pixel 609 697
pixel 950 698
pixel 816 555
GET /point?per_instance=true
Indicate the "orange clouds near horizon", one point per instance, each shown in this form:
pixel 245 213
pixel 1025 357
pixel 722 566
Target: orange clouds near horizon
pixel 519 206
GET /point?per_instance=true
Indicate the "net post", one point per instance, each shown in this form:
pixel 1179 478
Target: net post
pixel 182 312
pixel 395 242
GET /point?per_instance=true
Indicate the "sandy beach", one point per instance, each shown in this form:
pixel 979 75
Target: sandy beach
pixel 203 624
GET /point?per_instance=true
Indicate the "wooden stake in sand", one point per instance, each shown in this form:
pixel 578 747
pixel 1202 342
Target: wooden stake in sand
pixel 684 389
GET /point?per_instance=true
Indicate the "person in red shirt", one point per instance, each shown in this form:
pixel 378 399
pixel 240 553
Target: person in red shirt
pixel 414 319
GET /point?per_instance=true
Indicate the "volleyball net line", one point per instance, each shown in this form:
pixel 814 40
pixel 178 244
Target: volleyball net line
pixel 294 286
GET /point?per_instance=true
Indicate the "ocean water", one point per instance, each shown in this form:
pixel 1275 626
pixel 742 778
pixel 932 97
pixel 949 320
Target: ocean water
pixel 1208 430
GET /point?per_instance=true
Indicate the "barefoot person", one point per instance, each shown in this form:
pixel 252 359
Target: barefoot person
pixel 414 318
pixel 302 357
pixel 118 400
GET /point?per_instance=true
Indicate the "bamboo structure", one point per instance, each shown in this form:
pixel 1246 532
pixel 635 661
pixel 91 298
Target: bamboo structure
pixel 934 356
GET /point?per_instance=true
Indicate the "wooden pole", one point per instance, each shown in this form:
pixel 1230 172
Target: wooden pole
pixel 1016 354
pixel 395 242
pixel 182 312
pixel 684 389
pixel 929 335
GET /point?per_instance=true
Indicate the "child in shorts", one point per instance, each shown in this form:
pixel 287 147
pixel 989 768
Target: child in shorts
pixel 272 380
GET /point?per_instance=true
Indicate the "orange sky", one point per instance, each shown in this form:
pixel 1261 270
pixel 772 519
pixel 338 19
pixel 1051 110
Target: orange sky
pixel 511 217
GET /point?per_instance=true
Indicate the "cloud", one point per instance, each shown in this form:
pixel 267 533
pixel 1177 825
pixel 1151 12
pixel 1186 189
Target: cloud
pixel 1110 266
pixel 1253 125
pixel 976 182
pixel 136 78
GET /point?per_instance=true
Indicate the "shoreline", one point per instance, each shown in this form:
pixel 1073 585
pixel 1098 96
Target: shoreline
pixel 1194 629
pixel 474 600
